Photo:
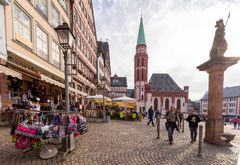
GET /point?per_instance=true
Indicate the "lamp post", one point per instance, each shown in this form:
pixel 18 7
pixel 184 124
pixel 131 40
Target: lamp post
pixel 66 39
pixel 103 81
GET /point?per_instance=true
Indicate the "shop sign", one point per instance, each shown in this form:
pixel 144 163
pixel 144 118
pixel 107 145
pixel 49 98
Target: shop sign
pixel 22 65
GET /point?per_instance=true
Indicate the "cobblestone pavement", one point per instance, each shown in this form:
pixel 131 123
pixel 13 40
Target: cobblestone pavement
pixel 126 143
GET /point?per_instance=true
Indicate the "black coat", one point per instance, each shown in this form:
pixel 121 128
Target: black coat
pixel 193 120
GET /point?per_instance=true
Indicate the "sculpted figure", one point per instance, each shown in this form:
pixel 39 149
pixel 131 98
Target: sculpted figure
pixel 219 46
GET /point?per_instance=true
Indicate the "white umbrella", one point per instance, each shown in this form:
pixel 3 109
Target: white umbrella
pixel 124 99
pixel 98 97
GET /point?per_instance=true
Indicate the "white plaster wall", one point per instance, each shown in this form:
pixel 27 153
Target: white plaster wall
pixel 148 103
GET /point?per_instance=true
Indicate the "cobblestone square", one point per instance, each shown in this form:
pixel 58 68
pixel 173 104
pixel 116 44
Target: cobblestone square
pixel 125 143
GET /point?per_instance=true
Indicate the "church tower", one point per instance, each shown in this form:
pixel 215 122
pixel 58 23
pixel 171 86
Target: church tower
pixel 140 69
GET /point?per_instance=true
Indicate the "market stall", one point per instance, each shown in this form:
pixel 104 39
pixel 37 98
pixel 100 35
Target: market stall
pixel 127 108
pixel 31 128
pixel 95 104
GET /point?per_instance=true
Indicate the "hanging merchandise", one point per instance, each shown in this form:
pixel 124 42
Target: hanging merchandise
pixel 31 127
pixel 72 124
pixel 82 125
pixel 23 142
pixel 28 130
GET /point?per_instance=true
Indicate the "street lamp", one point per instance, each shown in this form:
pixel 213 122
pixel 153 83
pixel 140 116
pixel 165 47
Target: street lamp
pixel 66 39
pixel 103 82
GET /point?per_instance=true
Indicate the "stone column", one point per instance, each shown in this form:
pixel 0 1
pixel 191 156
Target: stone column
pixel 215 67
pixel 214 124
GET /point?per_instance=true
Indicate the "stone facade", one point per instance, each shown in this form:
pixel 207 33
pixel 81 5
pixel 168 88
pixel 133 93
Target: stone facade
pixel 230 102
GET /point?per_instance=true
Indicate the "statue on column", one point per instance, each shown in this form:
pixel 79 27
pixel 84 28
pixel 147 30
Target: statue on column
pixel 219 46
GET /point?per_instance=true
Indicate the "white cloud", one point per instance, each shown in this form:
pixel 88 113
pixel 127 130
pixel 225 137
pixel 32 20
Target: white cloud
pixel 179 36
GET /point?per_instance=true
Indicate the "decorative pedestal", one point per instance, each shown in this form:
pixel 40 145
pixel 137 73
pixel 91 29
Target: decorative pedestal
pixel 215 67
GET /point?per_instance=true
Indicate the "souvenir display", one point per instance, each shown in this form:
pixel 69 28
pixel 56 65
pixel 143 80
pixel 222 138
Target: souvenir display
pixel 30 127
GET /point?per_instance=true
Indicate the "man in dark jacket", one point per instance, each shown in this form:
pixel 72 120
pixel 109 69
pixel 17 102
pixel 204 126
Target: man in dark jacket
pixel 193 120
pixel 150 116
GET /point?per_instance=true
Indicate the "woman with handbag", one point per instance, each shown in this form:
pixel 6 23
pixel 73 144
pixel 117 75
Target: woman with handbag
pixel 171 119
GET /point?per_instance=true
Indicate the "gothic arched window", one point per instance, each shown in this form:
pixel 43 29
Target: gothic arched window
pixel 178 104
pixel 155 104
pixel 167 104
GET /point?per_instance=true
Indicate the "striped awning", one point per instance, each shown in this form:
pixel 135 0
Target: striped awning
pixel 10 72
pixel 51 81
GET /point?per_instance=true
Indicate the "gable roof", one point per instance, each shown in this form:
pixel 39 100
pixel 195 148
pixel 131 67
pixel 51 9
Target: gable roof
pixel 118 81
pixel 163 82
pixel 103 49
pixel 227 92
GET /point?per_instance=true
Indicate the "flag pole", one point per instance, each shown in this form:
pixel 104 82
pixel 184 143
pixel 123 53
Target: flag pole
pixel 227 19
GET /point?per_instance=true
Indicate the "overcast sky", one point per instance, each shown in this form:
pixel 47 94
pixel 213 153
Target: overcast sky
pixel 178 33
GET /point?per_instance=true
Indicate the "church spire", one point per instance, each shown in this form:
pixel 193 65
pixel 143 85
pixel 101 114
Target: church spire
pixel 141 35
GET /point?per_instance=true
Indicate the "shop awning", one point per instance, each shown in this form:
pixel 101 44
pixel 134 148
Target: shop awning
pixel 77 91
pixel 124 99
pixel 98 98
pixel 51 81
pixel 10 72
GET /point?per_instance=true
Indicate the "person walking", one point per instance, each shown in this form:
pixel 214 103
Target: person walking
pixel 238 122
pixel 193 120
pixel 171 119
pixel 157 114
pixel 181 118
pixel 234 123
pixel 150 116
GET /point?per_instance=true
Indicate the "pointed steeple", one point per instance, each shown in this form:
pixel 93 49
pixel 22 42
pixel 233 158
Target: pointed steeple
pixel 141 35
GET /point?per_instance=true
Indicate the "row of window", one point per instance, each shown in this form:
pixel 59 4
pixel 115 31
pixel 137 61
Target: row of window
pixel 80 42
pixel 230 99
pixel 231 104
pixel 84 48
pixel 42 7
pixel 232 110
pixel 224 105
pixel 22 27
pixel 82 68
pixel 119 89
pixel 90 21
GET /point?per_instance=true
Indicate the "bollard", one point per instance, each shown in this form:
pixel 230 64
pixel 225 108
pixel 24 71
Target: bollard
pixel 158 127
pixel 183 125
pixel 200 141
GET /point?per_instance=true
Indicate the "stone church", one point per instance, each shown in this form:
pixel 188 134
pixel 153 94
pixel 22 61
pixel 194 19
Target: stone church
pixel 161 91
